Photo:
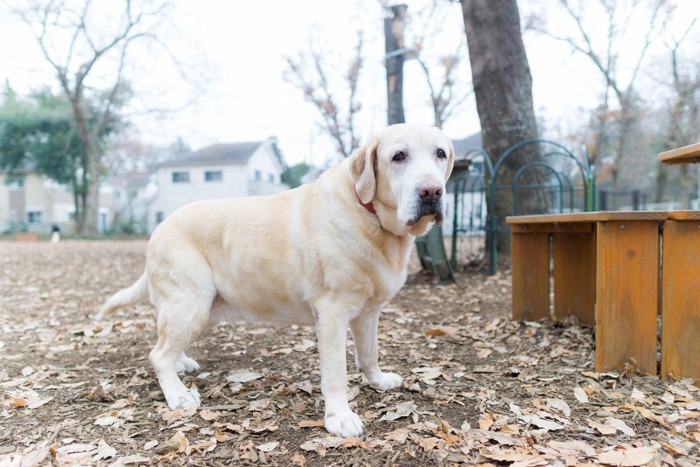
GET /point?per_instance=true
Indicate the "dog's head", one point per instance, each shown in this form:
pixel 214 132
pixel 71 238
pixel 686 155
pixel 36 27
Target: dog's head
pixel 402 172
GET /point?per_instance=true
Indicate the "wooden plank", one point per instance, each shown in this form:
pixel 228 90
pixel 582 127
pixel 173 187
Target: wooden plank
pixel 530 266
pixel 598 216
pixel 684 155
pixel 627 291
pixel 569 227
pixel 684 215
pixel 680 318
pixel 575 276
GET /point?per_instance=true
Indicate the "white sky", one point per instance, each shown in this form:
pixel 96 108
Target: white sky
pixel 240 46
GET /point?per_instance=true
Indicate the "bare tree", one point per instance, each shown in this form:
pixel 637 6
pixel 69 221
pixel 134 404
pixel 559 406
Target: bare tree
pixel 78 45
pixel 619 101
pixel 314 81
pixel 447 89
pixel 683 116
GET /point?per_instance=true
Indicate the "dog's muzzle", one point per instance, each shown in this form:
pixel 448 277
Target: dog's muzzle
pixel 429 204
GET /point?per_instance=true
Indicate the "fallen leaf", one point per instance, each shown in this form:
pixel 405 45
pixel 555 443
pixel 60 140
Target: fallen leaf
pixel 542 423
pixel 178 442
pixel 209 415
pixel 604 429
pixel 402 410
pixel 16 402
pixel 243 376
pixel 486 421
pixel 620 426
pixel 299 459
pixel 400 436
pixel 268 447
pixel 320 445
pixel 104 451
pixel 628 456
pixel 150 445
pixel 310 423
pixel 580 395
pixel 107 421
pixel 133 459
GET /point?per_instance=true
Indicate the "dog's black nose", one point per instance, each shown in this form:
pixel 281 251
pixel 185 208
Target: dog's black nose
pixel 430 194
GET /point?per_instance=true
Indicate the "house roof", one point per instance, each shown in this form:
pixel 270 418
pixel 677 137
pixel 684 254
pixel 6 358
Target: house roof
pixel 223 153
pixel 463 146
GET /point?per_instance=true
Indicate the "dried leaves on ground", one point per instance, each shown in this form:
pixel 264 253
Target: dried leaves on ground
pixel 479 388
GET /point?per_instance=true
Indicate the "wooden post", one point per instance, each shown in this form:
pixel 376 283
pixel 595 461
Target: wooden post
pixel 627 290
pixel 680 320
pixel 574 275
pixel 530 264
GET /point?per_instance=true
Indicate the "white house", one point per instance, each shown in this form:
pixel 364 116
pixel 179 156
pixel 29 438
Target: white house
pixel 227 170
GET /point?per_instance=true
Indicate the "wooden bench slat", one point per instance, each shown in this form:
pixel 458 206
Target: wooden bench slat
pixel 684 215
pixel 559 227
pixel 684 155
pixel 598 216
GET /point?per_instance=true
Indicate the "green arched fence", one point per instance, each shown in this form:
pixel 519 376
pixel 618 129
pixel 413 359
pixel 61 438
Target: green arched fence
pixel 566 184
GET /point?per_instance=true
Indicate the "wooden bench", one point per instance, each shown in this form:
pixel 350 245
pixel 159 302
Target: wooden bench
pixel 684 155
pixel 605 271
pixel 617 271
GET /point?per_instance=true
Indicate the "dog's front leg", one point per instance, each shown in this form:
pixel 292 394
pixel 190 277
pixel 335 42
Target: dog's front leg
pixel 331 329
pixel 364 332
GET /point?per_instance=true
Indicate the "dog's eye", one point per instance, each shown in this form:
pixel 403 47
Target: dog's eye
pixel 399 157
pixel 441 154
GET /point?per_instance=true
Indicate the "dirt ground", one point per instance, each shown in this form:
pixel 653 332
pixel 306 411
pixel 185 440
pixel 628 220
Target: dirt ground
pixel 479 388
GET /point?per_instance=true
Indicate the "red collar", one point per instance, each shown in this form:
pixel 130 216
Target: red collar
pixel 367 206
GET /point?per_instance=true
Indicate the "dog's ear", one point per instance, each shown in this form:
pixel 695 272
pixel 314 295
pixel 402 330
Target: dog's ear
pixel 363 167
pixel 450 162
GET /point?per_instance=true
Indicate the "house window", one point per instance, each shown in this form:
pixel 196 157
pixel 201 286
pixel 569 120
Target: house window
pixel 213 176
pixel 258 175
pixel 159 217
pixel 181 177
pixel 16 184
pixel 34 217
pixel 271 178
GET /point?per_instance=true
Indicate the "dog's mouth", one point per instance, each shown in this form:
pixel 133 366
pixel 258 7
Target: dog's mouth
pixel 427 209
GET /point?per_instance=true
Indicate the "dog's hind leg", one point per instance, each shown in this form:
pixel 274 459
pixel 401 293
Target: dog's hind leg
pixel 364 333
pixel 186 364
pixel 179 322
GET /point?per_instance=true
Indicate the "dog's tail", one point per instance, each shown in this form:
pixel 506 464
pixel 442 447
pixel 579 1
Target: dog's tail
pixel 129 296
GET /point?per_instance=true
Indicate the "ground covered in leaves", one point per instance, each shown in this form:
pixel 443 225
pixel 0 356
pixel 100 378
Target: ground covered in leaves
pixel 479 388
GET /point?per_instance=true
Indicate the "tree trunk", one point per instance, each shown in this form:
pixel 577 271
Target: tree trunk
pixel 393 35
pixel 503 91
pixel 92 201
pixel 91 173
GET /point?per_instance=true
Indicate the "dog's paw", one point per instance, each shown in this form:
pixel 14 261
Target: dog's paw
pixel 186 364
pixel 386 381
pixel 344 424
pixel 184 399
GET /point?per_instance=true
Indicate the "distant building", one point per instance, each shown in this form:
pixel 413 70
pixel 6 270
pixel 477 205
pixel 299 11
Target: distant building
pixel 220 171
pixel 32 203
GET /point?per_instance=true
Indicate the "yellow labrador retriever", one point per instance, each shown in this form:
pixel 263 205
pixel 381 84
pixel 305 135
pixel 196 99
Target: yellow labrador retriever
pixel 331 253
